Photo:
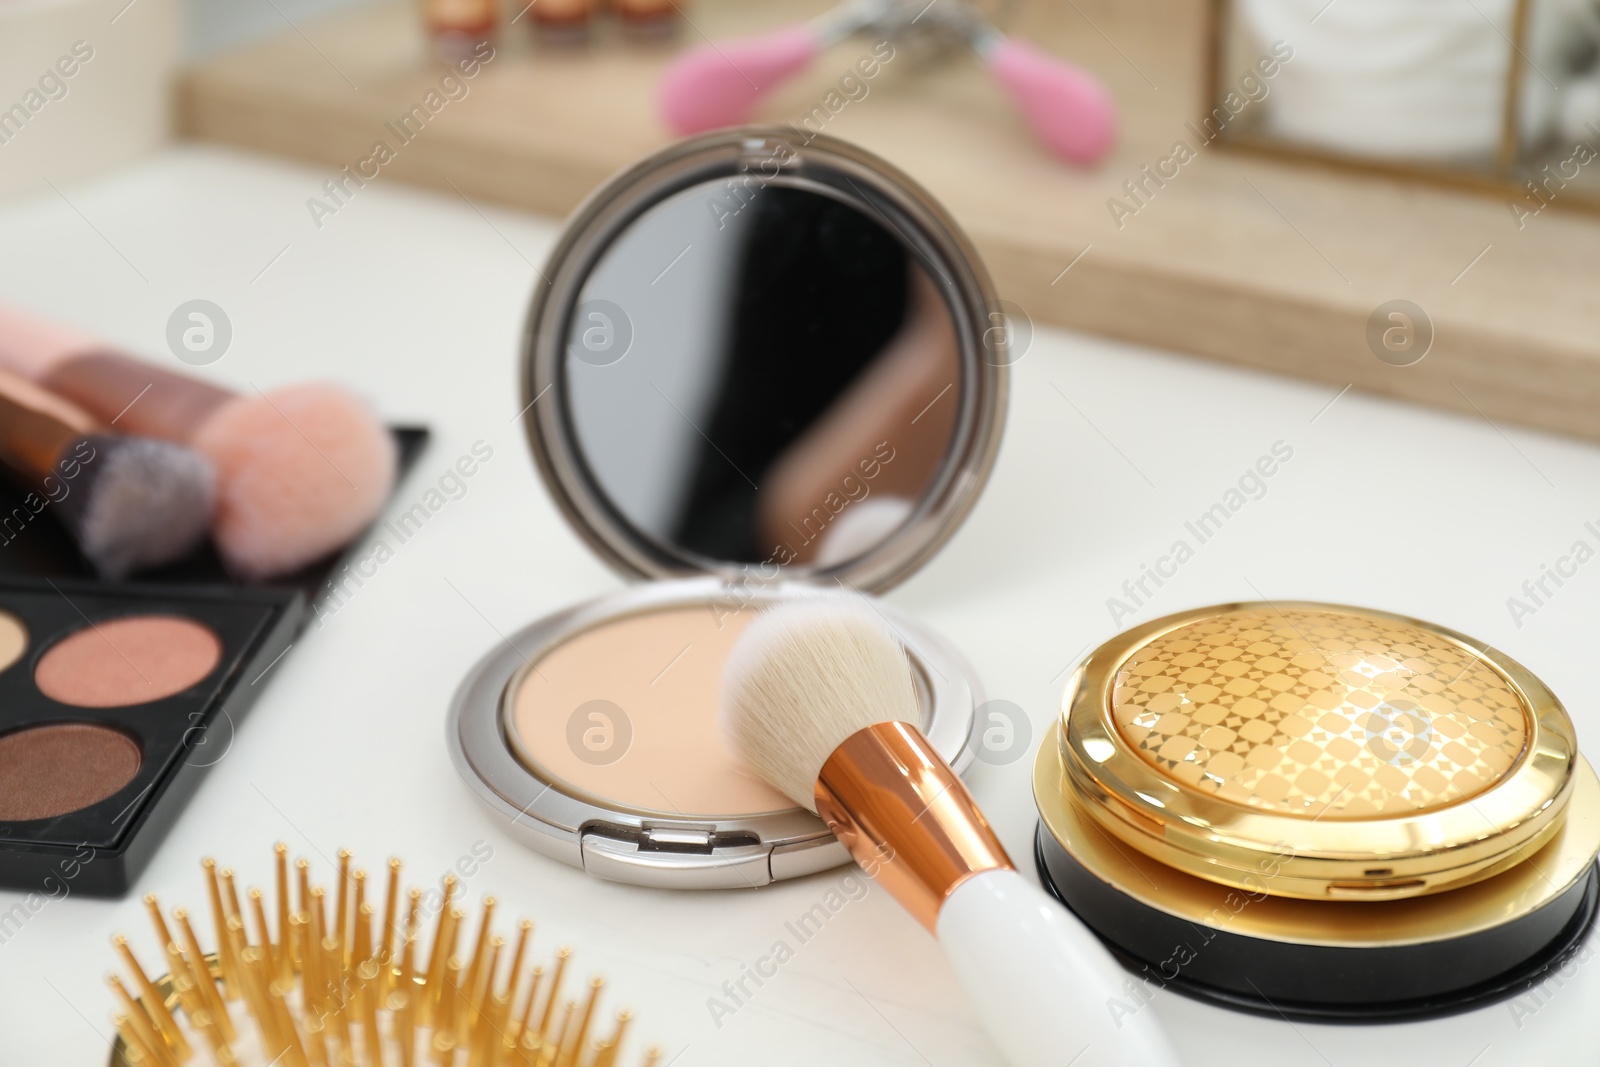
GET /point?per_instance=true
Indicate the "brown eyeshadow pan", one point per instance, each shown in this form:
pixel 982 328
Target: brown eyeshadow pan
pixel 132 660
pixel 52 770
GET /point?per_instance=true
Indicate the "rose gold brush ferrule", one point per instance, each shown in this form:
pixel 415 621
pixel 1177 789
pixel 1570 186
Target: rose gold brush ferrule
pixel 905 817
pixel 35 425
pixel 144 399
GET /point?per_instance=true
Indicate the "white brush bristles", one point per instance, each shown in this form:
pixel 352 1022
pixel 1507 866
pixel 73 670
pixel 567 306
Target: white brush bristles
pixel 803 678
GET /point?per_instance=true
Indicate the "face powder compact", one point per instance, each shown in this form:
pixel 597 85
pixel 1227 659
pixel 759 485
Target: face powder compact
pixel 762 370
pixel 1320 811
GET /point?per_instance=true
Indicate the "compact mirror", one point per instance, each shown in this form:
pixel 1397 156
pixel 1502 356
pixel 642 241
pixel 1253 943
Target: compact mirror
pixel 760 356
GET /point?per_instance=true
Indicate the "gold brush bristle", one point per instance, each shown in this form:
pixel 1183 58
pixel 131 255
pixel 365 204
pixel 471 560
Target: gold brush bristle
pixel 320 990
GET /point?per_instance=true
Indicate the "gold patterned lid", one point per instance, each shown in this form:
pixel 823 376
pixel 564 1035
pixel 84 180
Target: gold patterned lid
pixel 1313 750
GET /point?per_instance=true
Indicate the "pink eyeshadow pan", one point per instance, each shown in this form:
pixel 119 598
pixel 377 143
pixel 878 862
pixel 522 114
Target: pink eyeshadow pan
pixel 122 662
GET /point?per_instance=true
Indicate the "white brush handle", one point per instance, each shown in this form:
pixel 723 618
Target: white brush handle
pixel 1047 991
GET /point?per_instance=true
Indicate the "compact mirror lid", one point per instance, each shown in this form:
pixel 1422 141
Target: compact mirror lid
pixel 761 354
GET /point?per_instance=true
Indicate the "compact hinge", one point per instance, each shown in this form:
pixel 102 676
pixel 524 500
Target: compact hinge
pixel 665 839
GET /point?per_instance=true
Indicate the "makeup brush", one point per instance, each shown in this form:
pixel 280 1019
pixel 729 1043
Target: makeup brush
pixel 300 471
pixel 820 703
pixel 322 981
pixel 129 502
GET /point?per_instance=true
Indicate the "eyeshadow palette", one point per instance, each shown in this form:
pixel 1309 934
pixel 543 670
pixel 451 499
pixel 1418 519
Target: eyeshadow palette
pixel 116 698
pixel 114 703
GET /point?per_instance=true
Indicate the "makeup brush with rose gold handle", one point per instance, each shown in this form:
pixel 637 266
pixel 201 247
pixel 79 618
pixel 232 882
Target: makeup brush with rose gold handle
pixel 130 503
pixel 300 470
pixel 819 700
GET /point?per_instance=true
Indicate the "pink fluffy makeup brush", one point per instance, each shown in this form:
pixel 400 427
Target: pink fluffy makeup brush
pixel 300 470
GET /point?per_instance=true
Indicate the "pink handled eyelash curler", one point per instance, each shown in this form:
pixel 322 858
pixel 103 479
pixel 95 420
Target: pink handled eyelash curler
pixel 720 83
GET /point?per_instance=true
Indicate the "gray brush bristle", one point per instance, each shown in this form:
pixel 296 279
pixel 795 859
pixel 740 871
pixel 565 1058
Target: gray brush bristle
pixel 147 503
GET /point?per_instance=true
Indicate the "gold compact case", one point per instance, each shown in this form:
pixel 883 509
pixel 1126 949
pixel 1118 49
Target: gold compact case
pixel 1325 810
pixel 758 367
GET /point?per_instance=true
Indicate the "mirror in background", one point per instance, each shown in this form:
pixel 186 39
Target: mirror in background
pixel 767 378
pixel 1496 95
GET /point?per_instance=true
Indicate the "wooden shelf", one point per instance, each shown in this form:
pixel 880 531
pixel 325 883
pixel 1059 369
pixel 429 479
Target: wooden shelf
pixel 1238 257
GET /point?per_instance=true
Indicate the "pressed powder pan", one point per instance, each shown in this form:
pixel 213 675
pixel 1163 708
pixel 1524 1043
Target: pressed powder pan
pixel 1319 810
pixel 660 671
pixel 763 369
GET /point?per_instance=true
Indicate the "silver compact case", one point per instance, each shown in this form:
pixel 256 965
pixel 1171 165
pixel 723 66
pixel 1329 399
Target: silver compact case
pixel 762 367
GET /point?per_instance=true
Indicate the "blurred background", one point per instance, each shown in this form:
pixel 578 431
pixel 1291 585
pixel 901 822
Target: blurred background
pixel 1356 152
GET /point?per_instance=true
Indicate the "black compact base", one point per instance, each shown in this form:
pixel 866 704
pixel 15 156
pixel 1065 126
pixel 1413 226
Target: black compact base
pixel 1319 983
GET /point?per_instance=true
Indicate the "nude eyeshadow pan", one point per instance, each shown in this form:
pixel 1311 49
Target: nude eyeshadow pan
pixel 13 640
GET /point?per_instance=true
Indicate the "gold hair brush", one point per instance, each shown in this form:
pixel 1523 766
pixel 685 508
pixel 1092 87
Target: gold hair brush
pixel 322 983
